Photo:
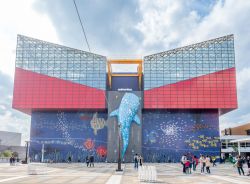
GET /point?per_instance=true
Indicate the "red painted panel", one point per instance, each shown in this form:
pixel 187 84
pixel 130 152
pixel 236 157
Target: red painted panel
pixel 214 90
pixel 38 91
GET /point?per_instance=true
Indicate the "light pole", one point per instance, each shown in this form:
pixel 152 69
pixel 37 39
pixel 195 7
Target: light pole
pixel 27 152
pixel 119 150
pixel 42 153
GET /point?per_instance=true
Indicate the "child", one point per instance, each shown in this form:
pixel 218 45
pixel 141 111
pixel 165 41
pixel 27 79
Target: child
pixel 187 167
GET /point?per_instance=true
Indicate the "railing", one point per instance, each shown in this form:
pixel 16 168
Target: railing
pixel 4 159
pixel 230 149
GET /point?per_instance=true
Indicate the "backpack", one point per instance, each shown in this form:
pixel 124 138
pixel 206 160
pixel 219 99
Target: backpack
pixel 239 163
pixel 136 159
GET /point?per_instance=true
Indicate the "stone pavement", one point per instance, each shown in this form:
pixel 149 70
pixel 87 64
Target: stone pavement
pixel 105 174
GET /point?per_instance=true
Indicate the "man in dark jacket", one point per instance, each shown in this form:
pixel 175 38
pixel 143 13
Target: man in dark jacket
pixel 136 161
pixel 87 160
pixel 239 165
pixel 91 159
pixel 248 165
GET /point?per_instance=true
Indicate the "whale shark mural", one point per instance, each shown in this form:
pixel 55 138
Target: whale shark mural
pixel 126 114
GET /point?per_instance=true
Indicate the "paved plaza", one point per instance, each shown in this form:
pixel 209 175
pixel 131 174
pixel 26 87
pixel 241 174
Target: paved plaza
pixel 105 173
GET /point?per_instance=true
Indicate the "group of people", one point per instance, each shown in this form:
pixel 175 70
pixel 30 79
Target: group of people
pixel 138 159
pixel 89 160
pixel 239 164
pixel 12 160
pixel 189 161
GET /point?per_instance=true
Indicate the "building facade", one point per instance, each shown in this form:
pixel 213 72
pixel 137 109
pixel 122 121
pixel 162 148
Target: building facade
pixel 10 138
pixel 238 130
pixel 236 140
pixel 11 141
pixel 78 106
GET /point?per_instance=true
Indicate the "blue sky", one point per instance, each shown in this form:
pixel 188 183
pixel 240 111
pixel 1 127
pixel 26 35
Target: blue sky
pixel 118 29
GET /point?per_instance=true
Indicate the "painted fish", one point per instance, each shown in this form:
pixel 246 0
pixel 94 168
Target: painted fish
pixel 126 114
pixel 97 123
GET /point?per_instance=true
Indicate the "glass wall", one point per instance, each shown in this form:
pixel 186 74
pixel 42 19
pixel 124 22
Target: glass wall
pixel 61 62
pixel 57 77
pixel 205 69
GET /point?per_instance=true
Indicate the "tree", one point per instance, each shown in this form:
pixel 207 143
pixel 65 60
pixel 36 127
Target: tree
pixel 7 153
pixel 15 154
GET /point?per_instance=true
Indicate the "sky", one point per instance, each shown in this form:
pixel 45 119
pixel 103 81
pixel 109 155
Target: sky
pixel 123 29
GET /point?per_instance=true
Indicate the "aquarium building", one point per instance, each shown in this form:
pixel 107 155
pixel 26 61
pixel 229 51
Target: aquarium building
pixel 169 107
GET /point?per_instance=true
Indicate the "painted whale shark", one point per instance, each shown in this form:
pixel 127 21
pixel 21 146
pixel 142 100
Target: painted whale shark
pixel 126 114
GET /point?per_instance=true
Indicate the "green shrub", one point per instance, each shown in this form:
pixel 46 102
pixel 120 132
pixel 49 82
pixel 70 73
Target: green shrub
pixel 6 153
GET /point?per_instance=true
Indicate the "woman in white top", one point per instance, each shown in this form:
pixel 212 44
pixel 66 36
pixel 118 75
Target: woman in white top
pixel 202 163
pixel 183 161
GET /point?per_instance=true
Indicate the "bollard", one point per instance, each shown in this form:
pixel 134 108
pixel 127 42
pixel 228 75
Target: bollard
pixel 147 173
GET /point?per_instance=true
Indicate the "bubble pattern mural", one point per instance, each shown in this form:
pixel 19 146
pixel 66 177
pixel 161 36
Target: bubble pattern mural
pixel 167 134
pixel 64 134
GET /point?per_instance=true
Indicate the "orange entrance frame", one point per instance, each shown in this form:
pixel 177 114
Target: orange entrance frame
pixel 125 61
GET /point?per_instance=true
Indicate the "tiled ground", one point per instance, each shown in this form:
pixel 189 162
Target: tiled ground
pixel 172 174
pixel 105 173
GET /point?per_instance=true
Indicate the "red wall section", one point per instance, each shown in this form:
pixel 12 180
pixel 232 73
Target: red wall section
pixel 215 90
pixel 37 91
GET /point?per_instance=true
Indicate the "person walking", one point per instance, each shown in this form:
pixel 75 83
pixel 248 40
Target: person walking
pixel 87 160
pixel 223 159
pixel 14 161
pixel 11 160
pixel 183 161
pixel 188 167
pixel 91 159
pixel 69 159
pixel 140 160
pixel 195 162
pixel 248 164
pixel 239 164
pixel 213 160
pixel 208 164
pixel 136 161
pixel 202 163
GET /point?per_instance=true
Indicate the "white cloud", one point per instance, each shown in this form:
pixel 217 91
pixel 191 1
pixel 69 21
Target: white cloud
pixel 18 17
pixel 176 23
pixel 165 22
pixel 11 123
pixel 243 78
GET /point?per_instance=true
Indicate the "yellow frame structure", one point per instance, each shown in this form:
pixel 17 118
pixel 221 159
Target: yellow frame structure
pixel 125 61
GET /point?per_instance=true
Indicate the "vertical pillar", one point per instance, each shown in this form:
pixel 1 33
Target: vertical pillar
pixel 42 153
pixel 27 152
pixel 239 147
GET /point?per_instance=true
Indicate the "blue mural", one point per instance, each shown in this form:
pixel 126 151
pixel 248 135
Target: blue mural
pixel 64 134
pixel 168 134
pixel 126 113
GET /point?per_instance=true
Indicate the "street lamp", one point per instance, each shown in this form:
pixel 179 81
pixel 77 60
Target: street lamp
pixel 42 160
pixel 119 150
pixel 27 152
